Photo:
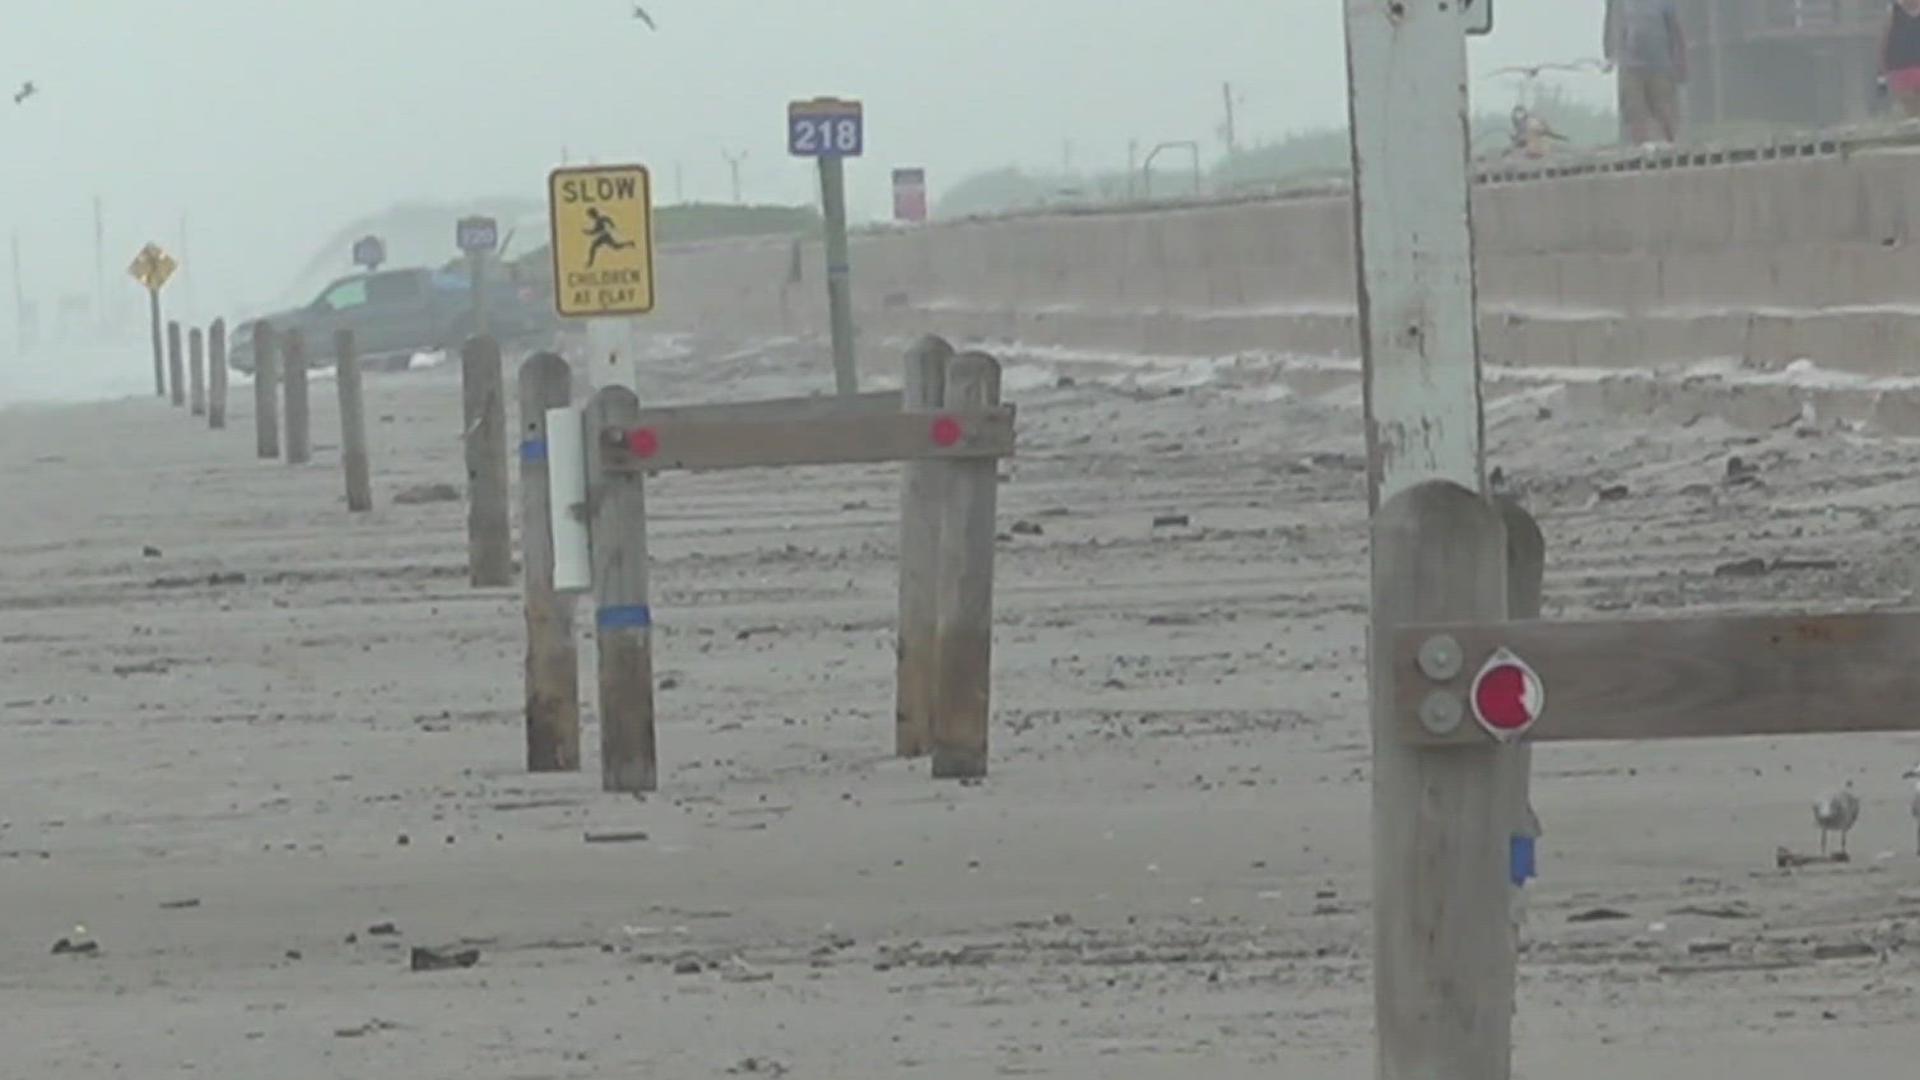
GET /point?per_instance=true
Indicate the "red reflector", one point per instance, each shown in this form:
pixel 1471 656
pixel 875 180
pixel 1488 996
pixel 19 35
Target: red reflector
pixel 946 431
pixel 644 442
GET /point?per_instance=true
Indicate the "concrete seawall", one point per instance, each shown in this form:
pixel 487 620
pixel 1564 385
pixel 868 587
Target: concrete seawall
pixel 1761 261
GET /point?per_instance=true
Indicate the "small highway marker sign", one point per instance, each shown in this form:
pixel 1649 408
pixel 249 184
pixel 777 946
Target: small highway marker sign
pixel 369 252
pixel 602 219
pixel 152 267
pixel 825 128
pixel 1508 696
pixel 476 235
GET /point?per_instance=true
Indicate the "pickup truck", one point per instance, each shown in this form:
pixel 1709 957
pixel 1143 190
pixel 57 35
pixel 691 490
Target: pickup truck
pixel 396 313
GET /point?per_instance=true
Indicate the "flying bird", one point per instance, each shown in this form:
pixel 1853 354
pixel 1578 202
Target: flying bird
pixel 27 90
pixel 1534 71
pixel 641 14
pixel 1836 812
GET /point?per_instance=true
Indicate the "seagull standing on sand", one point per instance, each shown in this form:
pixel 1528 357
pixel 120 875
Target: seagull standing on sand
pixel 1913 774
pixel 1836 812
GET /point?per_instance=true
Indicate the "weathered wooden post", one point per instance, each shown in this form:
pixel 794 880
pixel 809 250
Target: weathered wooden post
pixel 923 390
pixel 196 372
pixel 484 415
pixel 1444 948
pixel 1526 577
pixel 623 619
pixel 266 392
pixel 293 359
pixel 553 664
pixel 176 370
pixel 353 423
pixel 217 375
pixel 964 605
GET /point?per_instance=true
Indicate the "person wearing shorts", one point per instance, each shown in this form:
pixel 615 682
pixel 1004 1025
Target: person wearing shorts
pixel 1645 45
pixel 1900 56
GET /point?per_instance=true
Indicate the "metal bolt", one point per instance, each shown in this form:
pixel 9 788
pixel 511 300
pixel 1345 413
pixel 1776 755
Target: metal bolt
pixel 1440 657
pixel 1441 713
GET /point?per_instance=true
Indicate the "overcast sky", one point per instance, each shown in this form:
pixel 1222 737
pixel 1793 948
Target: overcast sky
pixel 270 124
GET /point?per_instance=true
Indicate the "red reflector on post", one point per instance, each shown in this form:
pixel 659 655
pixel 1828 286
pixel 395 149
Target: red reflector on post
pixel 1508 696
pixel 643 442
pixel 946 431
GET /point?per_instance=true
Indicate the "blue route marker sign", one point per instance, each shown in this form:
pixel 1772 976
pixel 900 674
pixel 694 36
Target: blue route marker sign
pixel 825 127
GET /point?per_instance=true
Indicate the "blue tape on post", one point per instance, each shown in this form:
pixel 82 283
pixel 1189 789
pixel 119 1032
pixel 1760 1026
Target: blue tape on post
pixel 1520 865
pixel 533 451
pixel 624 617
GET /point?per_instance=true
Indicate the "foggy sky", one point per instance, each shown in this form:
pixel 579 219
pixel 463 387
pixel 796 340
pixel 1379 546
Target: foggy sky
pixel 270 124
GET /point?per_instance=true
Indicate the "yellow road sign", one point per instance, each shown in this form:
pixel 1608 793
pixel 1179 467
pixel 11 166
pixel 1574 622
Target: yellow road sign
pixel 152 267
pixel 602 219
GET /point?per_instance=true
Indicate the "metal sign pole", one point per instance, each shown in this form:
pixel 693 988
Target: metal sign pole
pixel 833 199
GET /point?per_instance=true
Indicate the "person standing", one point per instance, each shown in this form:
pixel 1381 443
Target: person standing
pixel 1648 50
pixel 1900 56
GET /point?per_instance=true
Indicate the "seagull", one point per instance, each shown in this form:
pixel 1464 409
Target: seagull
pixel 1533 71
pixel 641 14
pixel 1836 812
pixel 27 90
pixel 1913 774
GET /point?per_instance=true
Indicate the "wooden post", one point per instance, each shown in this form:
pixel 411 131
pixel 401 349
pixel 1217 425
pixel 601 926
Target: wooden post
pixel 553 664
pixel 266 392
pixel 1526 574
pixel 353 423
pixel 964 604
pixel 1443 939
pixel 484 416
pixel 196 372
pixel 217 375
pixel 293 361
pixel 923 389
pixel 1443 944
pixel 623 620
pixel 159 357
pixel 176 370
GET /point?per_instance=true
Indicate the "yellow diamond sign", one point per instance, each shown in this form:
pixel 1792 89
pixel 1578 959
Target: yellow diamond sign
pixel 602 218
pixel 152 267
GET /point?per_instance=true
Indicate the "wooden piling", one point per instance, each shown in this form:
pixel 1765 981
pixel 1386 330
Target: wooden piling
pixel 196 372
pixel 623 619
pixel 293 362
pixel 176 369
pixel 923 383
pixel 217 375
pixel 1526 575
pixel 353 423
pixel 1443 942
pixel 484 420
pixel 553 663
pixel 266 392
pixel 964 605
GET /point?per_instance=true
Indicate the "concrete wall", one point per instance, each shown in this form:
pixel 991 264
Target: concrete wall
pixel 1765 261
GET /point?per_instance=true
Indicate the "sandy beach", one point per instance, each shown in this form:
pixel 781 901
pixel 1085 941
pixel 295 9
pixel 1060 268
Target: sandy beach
pixel 261 748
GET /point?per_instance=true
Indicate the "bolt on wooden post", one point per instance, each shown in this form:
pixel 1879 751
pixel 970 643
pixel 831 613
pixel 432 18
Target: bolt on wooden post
pixel 552 663
pixel 353 423
pixel 293 359
pixel 1444 950
pixel 176 372
pixel 623 617
pixel 196 372
pixel 217 375
pixel 484 416
pixel 266 392
pixel 923 390
pixel 964 604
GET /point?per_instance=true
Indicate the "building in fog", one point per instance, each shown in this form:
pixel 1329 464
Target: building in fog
pixel 1780 63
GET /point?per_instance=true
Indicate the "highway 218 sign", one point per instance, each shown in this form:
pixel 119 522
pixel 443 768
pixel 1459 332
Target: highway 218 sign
pixel 825 127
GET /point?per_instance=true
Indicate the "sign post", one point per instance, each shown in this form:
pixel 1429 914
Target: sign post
pixel 151 267
pixel 830 130
pixel 477 237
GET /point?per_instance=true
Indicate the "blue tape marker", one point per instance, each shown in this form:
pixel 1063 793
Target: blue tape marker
pixel 838 269
pixel 624 617
pixel 533 451
pixel 1520 864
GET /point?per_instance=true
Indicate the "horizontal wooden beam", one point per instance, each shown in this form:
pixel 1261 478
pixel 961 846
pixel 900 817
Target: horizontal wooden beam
pixel 813 407
pixel 1685 677
pixel 829 440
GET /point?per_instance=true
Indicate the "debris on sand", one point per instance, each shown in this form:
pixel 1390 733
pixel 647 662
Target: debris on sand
pixel 1171 521
pixel 1787 860
pixel 1736 909
pixel 419 494
pixel 385 929
pixel 1612 493
pixel 1599 914
pixel 1027 528
pixel 688 965
pixel 1752 567
pixel 425 959
pixel 76 946
pixel 180 905
pixel 615 837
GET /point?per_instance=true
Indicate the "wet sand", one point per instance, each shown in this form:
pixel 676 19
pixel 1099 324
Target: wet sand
pixel 231 759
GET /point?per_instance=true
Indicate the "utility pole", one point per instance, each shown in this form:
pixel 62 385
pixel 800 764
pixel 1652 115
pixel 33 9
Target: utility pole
pixel 1227 132
pixel 99 266
pixel 733 165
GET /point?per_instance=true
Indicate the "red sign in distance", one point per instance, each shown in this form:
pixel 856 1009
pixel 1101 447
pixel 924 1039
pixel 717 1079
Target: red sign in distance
pixel 1508 696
